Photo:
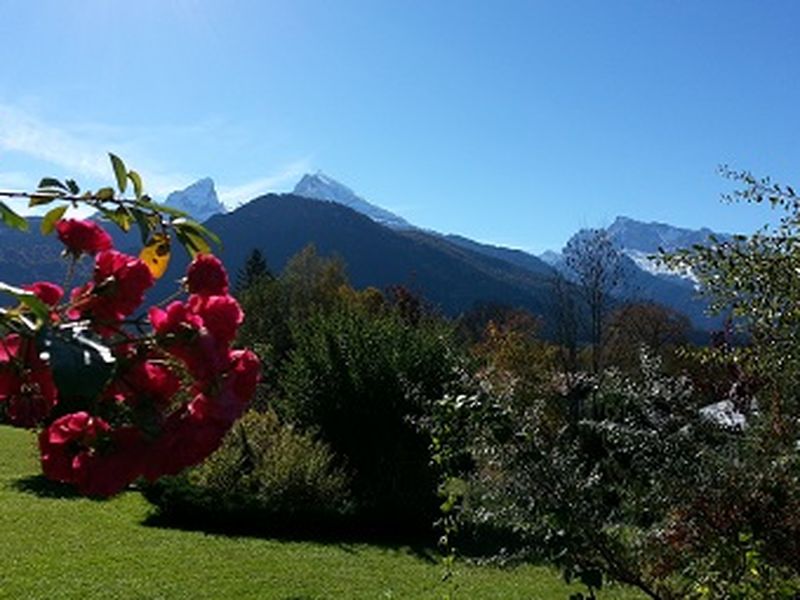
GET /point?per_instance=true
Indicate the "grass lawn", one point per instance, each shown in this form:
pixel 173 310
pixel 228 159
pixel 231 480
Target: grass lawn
pixel 67 547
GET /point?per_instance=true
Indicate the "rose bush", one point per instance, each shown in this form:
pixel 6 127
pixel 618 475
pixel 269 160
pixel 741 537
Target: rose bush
pixel 119 396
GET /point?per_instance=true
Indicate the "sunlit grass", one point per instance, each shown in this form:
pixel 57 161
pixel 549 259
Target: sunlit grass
pixel 53 545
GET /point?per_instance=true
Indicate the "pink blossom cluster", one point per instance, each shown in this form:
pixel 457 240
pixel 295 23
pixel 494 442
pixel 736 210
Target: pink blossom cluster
pixel 177 384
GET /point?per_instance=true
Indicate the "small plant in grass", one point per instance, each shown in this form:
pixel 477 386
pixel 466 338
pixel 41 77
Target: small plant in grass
pixel 120 392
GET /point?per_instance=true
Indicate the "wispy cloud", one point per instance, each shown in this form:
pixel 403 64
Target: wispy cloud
pixel 80 150
pixel 233 196
pixel 22 132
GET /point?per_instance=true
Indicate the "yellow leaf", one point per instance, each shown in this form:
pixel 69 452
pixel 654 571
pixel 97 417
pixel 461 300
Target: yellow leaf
pixel 156 254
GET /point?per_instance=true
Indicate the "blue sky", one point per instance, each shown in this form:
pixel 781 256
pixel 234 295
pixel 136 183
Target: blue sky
pixel 509 122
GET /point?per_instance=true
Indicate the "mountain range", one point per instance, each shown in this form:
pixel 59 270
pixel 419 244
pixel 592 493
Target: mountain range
pixel 645 279
pixel 381 249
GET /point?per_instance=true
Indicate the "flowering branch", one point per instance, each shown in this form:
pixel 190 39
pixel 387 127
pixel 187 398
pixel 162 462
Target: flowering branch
pixel 118 397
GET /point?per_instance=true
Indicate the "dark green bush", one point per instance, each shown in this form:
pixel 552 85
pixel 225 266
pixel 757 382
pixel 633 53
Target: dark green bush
pixel 362 381
pixel 265 476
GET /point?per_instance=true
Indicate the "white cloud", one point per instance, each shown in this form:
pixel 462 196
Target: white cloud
pixel 24 133
pixel 233 196
pixel 80 150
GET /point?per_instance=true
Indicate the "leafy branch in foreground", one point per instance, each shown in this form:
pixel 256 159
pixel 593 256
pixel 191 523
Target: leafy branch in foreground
pixel 116 399
pixel 154 220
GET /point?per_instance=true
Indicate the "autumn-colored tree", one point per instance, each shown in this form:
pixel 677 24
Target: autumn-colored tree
pixel 637 326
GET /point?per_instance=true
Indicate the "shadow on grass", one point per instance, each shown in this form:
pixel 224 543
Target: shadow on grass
pixel 41 486
pixel 345 534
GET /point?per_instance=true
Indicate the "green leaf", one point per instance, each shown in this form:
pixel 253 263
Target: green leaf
pixel 137 183
pixel 81 366
pixel 145 227
pixel 105 193
pixel 51 182
pixel 192 243
pixel 162 208
pixel 120 172
pixel 28 299
pixel 51 218
pixel 12 219
pixel 74 188
pixel 198 229
pixel 40 199
pixel 121 216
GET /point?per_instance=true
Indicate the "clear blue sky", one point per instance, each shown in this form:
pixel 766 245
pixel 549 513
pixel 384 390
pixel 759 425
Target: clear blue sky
pixel 509 122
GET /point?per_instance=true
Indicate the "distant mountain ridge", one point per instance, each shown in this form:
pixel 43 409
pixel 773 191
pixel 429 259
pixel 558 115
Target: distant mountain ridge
pixel 490 273
pixel 513 256
pixel 631 234
pixel 643 277
pixel 451 277
pixel 381 249
pixel 641 241
pixel 321 187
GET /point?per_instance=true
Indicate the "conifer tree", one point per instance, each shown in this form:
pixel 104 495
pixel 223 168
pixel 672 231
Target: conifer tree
pixel 254 268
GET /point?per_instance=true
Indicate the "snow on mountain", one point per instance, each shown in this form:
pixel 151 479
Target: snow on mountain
pixel 321 187
pixel 641 241
pixel 649 237
pixel 199 200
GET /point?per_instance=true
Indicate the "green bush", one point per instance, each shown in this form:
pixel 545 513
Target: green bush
pixel 265 475
pixel 362 381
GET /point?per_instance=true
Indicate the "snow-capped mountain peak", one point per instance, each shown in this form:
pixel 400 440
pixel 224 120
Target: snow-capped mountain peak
pixel 199 200
pixel 648 238
pixel 641 241
pixel 322 187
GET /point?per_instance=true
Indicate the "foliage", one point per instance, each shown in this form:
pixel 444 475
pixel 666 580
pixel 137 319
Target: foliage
pixel 567 319
pixel 265 476
pixel 654 494
pixel 756 279
pixel 309 283
pixel 361 380
pixel 254 269
pixel 120 396
pixel 629 328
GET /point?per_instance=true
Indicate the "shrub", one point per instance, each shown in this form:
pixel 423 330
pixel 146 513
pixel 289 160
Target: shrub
pixel 362 381
pixel 650 487
pixel 265 476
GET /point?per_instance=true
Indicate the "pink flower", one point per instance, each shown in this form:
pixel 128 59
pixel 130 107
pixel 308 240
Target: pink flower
pixel 206 276
pixel 108 473
pixel 246 373
pixel 186 439
pixel 47 292
pixel 82 237
pixel 145 381
pixel 65 439
pixel 26 383
pixel 221 315
pixel 177 320
pixel 117 289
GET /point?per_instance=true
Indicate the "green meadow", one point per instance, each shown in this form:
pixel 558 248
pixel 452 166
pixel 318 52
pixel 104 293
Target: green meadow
pixel 55 545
